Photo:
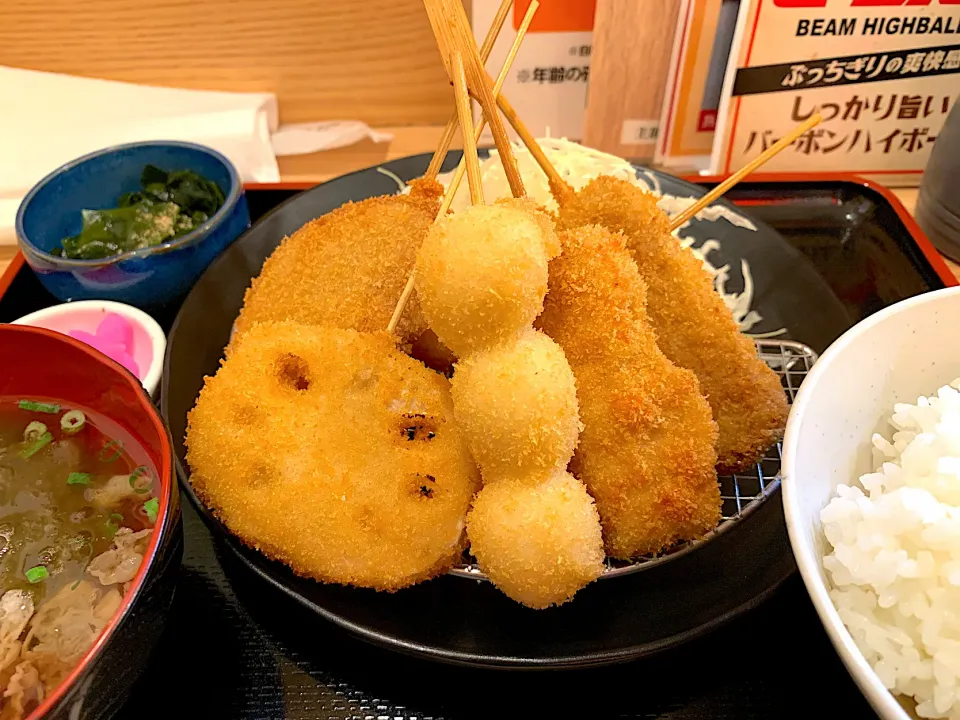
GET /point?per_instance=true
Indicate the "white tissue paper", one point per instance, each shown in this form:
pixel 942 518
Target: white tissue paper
pixel 57 118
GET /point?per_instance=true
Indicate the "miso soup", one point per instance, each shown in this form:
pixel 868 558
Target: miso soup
pixel 78 502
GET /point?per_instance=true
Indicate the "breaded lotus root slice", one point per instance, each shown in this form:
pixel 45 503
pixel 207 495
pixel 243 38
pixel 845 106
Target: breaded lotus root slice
pixel 482 273
pixel 648 447
pixel 539 541
pixel 694 328
pixel 347 268
pixel 333 452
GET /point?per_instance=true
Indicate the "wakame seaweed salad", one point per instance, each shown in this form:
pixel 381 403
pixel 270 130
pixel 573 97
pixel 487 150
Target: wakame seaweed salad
pixel 168 205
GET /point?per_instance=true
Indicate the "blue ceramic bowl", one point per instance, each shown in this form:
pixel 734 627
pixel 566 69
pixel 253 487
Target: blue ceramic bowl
pixel 147 278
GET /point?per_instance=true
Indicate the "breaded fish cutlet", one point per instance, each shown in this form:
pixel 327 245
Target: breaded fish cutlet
pixel 693 326
pixel 335 453
pixel 648 447
pixel 347 268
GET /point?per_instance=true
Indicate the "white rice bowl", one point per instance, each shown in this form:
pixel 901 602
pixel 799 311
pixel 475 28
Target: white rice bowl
pixel 895 563
pixel 879 555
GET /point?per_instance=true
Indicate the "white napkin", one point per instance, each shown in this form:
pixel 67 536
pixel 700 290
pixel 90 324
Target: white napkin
pixel 57 118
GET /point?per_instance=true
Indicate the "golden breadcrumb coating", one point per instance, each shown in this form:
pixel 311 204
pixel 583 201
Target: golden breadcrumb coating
pixel 335 453
pixel 648 447
pixel 694 328
pixel 516 405
pixel 347 268
pixel 482 273
pixel 538 541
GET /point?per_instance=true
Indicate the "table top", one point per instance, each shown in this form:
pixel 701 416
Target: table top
pixel 318 167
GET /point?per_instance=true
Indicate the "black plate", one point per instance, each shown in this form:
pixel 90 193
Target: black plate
pixel 468 622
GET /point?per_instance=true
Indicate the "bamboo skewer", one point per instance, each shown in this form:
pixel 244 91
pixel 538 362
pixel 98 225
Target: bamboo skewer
pixel 452 31
pixel 458 175
pixel 465 112
pixel 558 186
pixel 788 139
pixel 501 78
pixel 433 169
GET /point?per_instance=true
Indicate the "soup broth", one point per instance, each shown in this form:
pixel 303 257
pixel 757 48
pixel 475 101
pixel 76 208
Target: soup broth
pixel 78 501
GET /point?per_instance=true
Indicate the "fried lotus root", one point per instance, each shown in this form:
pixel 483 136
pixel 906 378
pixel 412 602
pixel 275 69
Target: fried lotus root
pixel 335 453
pixel 347 268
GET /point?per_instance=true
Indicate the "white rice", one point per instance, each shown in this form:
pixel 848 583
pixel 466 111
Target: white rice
pixel 895 564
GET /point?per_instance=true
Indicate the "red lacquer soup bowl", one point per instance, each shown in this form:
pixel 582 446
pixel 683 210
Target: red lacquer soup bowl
pixel 45 376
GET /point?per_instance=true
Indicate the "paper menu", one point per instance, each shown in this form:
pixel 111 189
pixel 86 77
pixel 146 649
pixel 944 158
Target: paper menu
pixel 884 74
pixel 547 84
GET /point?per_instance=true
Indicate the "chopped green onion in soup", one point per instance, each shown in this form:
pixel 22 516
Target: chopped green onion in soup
pixel 34 431
pixel 151 507
pixel 36 446
pixel 36 574
pixel 72 421
pixel 32 406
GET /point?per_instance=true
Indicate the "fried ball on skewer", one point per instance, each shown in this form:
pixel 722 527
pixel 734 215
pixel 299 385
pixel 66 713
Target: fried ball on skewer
pixel 694 328
pixel 538 541
pixel 482 273
pixel 516 405
pixel 648 447
pixel 347 268
pixel 335 453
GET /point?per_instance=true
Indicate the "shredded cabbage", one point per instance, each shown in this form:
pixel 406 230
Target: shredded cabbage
pixel 577 165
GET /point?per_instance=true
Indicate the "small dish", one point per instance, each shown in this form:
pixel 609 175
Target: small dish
pixel 39 363
pixel 149 341
pixel 903 352
pixel 150 277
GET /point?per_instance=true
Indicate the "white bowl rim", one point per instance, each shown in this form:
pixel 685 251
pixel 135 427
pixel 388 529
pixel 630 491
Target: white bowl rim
pixel 882 700
pixel 158 339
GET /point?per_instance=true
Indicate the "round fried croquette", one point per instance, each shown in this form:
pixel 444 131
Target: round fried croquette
pixel 538 542
pixel 335 453
pixel 516 405
pixel 348 267
pixel 482 273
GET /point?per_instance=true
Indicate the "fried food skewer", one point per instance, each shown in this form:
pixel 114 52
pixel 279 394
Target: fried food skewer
pixel 481 276
pixel 346 268
pixel 648 447
pixel 433 169
pixel 694 328
pixel 458 176
pixel 693 325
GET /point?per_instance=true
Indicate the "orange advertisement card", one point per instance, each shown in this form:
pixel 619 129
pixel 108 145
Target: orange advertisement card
pixel 557 15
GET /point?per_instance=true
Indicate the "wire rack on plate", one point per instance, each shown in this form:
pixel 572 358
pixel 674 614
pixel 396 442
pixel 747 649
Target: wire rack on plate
pixel 741 493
